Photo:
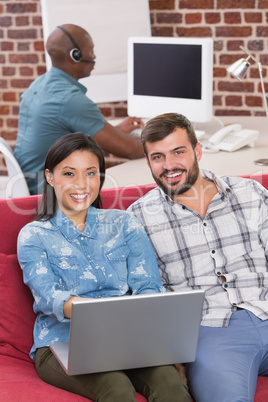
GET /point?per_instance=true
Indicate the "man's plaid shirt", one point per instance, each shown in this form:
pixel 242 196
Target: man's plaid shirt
pixel 231 241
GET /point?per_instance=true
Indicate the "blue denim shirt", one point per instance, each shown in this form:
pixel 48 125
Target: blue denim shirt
pixel 111 257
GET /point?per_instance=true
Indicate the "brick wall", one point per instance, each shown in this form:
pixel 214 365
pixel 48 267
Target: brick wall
pixel 230 23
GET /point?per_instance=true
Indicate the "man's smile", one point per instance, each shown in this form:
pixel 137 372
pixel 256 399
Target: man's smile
pixel 172 175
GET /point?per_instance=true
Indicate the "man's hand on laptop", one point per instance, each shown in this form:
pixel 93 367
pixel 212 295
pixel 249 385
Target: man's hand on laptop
pixel 181 369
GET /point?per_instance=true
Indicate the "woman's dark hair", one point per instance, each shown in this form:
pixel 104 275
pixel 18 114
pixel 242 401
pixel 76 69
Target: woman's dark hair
pixel 161 126
pixel 60 150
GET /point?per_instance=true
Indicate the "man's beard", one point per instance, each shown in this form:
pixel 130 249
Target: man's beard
pixel 191 178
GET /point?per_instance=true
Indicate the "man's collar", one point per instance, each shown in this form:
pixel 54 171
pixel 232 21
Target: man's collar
pixel 222 186
pixel 71 79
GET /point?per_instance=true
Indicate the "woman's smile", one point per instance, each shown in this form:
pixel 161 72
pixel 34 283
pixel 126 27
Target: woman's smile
pixel 76 182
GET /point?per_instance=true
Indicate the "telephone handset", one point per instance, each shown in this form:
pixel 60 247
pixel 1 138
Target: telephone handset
pixel 233 137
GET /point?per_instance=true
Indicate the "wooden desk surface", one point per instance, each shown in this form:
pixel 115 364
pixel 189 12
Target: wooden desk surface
pixel 237 163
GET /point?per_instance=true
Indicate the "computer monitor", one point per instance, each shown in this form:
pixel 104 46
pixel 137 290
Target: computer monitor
pixel 170 74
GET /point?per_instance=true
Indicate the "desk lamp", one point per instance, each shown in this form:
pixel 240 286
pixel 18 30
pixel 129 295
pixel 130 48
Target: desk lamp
pixel 239 70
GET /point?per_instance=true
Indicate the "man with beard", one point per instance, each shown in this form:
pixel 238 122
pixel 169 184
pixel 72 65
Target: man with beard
pixel 210 233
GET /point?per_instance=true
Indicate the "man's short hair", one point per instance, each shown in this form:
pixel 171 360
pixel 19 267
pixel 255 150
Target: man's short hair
pixel 161 126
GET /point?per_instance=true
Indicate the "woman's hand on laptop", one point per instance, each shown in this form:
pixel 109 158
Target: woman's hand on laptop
pixel 181 369
pixel 67 307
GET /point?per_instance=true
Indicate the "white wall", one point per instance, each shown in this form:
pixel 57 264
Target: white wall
pixel 110 23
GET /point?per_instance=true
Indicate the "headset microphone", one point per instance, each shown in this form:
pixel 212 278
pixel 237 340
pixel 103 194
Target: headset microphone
pixel 88 61
pixel 75 54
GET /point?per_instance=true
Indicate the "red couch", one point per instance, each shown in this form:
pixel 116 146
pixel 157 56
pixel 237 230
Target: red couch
pixel 19 381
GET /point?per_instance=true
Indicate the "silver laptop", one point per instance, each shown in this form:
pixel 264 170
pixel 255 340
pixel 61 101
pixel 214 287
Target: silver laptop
pixel 119 333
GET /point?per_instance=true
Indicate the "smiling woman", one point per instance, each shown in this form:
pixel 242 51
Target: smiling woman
pixel 71 163
pixel 71 252
pixel 76 182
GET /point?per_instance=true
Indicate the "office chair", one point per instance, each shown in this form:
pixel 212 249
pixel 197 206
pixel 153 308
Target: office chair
pixel 16 185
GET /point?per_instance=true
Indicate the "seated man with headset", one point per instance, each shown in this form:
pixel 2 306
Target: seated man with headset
pixel 55 104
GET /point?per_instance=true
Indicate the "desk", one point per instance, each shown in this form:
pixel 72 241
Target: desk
pixel 237 163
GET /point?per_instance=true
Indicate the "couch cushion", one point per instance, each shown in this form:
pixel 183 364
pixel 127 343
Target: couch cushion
pixel 15 213
pixel 262 390
pixel 17 316
pixel 20 382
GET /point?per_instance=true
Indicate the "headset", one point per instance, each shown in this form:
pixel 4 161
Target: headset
pixel 75 54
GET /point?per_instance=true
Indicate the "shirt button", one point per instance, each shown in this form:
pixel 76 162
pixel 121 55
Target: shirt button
pixel 204 224
pixel 213 251
pixel 82 238
pixel 219 273
pixel 100 287
pixel 183 207
pixel 123 255
pixel 225 285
